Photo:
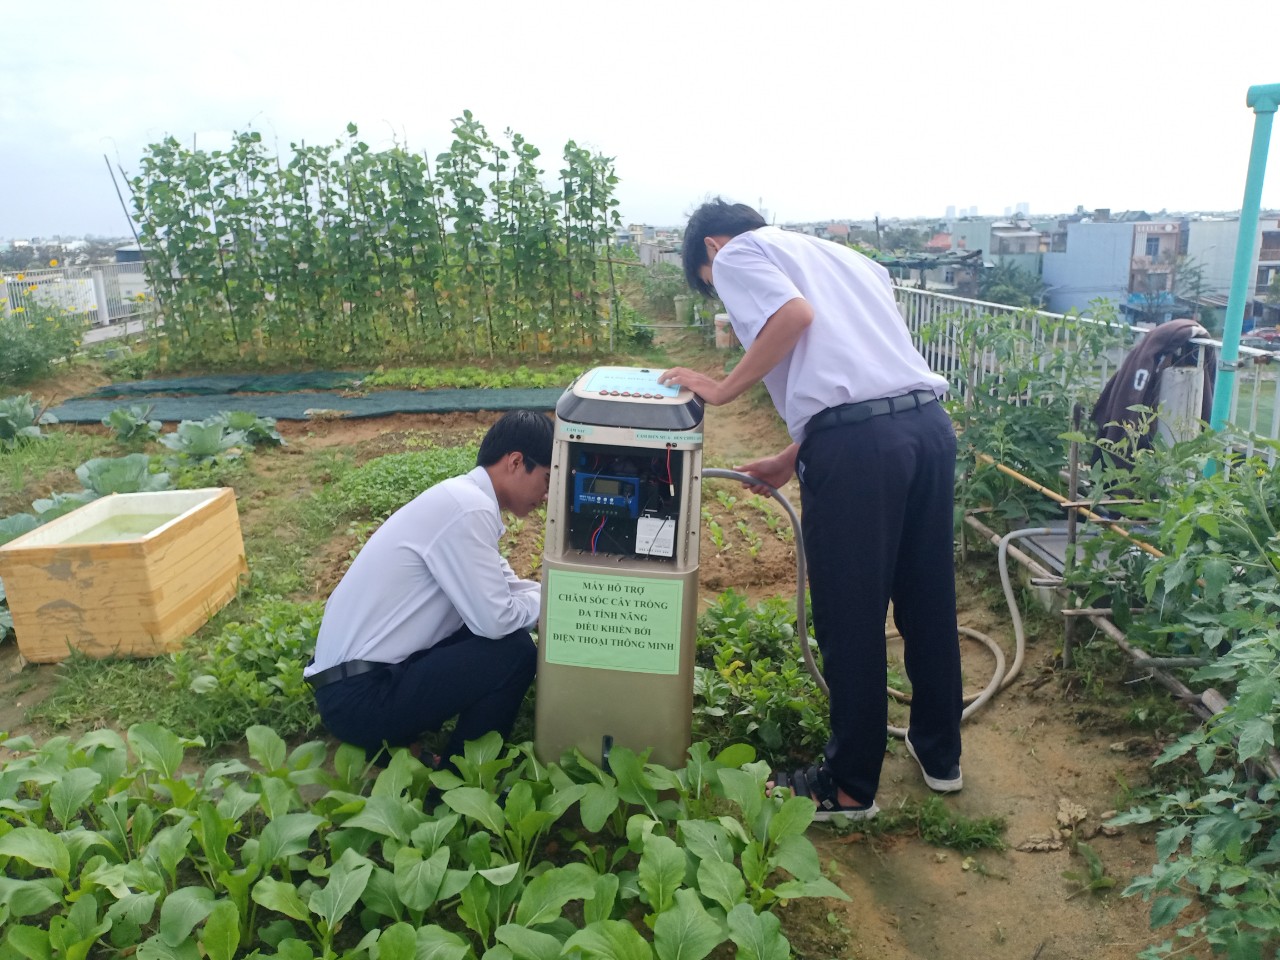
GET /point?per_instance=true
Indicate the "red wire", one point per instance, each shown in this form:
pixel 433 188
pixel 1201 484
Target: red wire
pixel 669 480
pixel 597 534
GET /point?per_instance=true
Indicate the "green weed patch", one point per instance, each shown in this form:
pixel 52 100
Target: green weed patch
pixel 938 825
pixel 380 487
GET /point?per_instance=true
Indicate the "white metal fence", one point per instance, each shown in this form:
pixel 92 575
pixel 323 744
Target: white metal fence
pixel 104 294
pixel 1255 396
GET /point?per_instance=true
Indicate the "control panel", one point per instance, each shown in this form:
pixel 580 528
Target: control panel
pixel 624 501
pixel 626 383
pixel 631 398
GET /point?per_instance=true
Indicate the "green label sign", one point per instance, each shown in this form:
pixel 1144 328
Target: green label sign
pixel 613 623
pixel 578 429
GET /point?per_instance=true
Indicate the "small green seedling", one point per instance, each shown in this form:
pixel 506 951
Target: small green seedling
pixel 1094 878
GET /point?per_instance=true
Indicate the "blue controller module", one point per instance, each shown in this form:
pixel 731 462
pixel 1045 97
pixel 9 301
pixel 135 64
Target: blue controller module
pixel 601 494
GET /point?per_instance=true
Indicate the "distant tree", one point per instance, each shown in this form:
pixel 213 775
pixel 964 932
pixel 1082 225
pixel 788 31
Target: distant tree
pixel 1150 303
pixel 905 239
pixel 1190 286
pixel 41 256
pixel 1008 283
pixel 31 258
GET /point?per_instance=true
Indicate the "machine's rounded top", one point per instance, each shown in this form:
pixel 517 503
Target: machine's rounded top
pixel 629 397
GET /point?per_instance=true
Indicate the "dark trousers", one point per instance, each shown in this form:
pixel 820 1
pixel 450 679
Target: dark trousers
pixel 476 679
pixel 878 500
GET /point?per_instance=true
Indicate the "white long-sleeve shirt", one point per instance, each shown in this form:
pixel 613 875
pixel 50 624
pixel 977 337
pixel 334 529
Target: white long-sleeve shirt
pixel 432 567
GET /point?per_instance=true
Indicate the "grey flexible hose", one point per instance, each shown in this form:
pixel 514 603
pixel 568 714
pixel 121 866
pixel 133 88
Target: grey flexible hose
pixel 999 680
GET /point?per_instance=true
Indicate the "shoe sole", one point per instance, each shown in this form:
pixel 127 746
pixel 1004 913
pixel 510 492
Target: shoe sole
pixel 861 814
pixel 933 783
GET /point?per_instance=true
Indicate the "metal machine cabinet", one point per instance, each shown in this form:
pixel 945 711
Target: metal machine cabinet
pixel 620 569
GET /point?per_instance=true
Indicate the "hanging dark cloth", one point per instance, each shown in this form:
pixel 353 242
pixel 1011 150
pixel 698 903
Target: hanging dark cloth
pixel 1137 383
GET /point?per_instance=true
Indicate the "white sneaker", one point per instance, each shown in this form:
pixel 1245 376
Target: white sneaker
pixel 949 784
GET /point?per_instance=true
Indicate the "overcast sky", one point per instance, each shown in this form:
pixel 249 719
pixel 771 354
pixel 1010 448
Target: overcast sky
pixel 816 110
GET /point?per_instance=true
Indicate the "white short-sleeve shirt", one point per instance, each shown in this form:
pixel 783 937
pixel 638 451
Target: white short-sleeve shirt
pixel 432 567
pixel 857 347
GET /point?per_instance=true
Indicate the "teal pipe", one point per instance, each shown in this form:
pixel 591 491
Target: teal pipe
pixel 1263 100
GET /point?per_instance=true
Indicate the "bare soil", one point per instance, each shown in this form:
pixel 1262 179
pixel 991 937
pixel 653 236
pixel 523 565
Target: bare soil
pixel 1024 754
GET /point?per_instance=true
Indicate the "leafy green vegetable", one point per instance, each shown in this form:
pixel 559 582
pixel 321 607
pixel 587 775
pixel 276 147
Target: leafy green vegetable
pixel 132 424
pixel 21 419
pixel 129 474
pixel 256 429
pixel 17 525
pixel 204 439
pixel 287 848
pixel 50 508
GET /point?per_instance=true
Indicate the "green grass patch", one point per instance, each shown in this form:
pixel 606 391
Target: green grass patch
pixel 1266 403
pixel 46 463
pixel 100 693
pixel 938 825
pixel 284 534
pixel 248 673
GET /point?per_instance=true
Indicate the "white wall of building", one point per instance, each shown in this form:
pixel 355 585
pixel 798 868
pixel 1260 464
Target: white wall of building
pixel 1095 264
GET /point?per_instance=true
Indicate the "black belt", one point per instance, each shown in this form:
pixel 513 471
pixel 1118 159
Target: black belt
pixel 857 412
pixel 352 668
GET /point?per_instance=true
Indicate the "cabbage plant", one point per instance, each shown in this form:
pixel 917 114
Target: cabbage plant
pixel 130 474
pixel 205 439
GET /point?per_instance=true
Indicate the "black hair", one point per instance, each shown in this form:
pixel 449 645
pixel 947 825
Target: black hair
pixel 713 219
pixel 525 431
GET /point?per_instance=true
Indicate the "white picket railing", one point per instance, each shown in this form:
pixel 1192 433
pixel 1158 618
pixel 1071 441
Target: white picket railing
pixel 1255 396
pixel 103 293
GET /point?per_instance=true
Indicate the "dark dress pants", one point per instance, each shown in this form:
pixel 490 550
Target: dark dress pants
pixel 878 500
pixel 479 680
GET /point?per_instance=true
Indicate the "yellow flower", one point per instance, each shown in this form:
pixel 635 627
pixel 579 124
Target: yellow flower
pixel 19 309
pixel 32 289
pixel 21 277
pixel 53 262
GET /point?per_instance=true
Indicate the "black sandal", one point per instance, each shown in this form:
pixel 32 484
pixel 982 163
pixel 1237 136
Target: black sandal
pixel 816 783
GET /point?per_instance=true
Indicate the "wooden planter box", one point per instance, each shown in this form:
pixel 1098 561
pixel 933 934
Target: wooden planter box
pixel 129 575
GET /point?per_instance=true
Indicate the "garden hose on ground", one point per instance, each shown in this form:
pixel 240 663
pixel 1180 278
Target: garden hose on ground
pixel 974 702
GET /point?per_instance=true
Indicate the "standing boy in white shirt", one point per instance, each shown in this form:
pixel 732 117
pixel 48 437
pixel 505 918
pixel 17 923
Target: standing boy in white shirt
pixel 430 622
pixel 875 455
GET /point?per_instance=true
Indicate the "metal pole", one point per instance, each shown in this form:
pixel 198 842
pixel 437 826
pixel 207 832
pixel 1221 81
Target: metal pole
pixel 1263 100
pixel 100 294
